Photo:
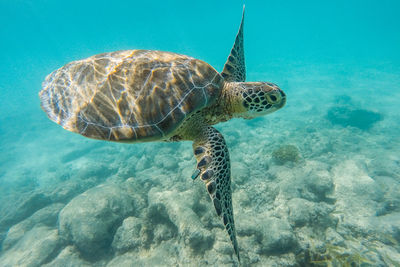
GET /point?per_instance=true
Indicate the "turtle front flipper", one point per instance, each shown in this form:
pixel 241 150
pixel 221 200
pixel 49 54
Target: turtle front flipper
pixel 213 163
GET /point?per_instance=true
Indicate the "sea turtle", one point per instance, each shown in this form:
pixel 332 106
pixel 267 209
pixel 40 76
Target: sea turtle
pixel 142 95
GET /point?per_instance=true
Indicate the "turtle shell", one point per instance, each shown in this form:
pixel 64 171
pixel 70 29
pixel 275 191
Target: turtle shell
pixel 134 95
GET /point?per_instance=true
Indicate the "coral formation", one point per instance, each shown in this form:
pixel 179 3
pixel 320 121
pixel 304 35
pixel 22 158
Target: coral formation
pixel 286 153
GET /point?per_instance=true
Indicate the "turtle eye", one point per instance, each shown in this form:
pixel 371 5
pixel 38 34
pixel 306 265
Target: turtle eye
pixel 273 98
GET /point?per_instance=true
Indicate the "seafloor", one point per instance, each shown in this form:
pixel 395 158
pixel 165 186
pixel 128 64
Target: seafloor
pixel 314 184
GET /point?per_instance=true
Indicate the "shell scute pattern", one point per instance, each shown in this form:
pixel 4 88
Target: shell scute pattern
pixel 134 95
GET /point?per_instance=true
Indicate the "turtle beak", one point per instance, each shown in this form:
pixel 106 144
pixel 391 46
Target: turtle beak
pixel 283 99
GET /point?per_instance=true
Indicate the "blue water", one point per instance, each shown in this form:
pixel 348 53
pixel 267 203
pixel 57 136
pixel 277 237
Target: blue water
pixel 323 54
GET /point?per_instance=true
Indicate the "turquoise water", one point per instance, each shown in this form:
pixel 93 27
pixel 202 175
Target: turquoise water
pixel 338 63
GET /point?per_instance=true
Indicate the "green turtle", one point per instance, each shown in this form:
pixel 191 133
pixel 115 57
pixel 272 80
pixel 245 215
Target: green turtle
pixel 143 95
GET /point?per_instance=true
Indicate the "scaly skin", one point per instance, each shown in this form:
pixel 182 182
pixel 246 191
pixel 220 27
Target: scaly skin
pixel 213 162
pixel 238 99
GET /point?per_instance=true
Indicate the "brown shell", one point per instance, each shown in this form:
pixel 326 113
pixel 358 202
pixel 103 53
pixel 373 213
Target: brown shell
pixel 134 95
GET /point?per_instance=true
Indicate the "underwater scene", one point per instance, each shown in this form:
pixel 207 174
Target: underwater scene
pixel 312 176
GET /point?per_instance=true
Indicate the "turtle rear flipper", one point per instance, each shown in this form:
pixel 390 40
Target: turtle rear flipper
pixel 214 165
pixel 235 68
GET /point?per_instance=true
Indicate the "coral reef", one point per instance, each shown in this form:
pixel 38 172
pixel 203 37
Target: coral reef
pixel 68 201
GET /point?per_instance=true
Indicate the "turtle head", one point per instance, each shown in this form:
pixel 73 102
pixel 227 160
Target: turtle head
pixel 254 99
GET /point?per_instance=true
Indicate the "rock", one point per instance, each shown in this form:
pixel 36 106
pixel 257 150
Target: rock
pixel 35 248
pixel 332 237
pixel 223 247
pixel 46 216
pixel 130 260
pixel 163 227
pixel 320 183
pixel 163 232
pixel 240 173
pixel 386 228
pixel 357 194
pixel 199 241
pixel 143 163
pixel 388 206
pixel 138 187
pixel 262 195
pixel 389 255
pixel 26 207
pixel 164 158
pixel 222 253
pixel 169 163
pixel 310 181
pixel 90 220
pixel 66 190
pixel 292 183
pixel 3 236
pixel 163 255
pixel 381 166
pixel 269 235
pixel 68 257
pixel 278 236
pixel 85 168
pixel 128 235
pixel 186 222
pixel 302 212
